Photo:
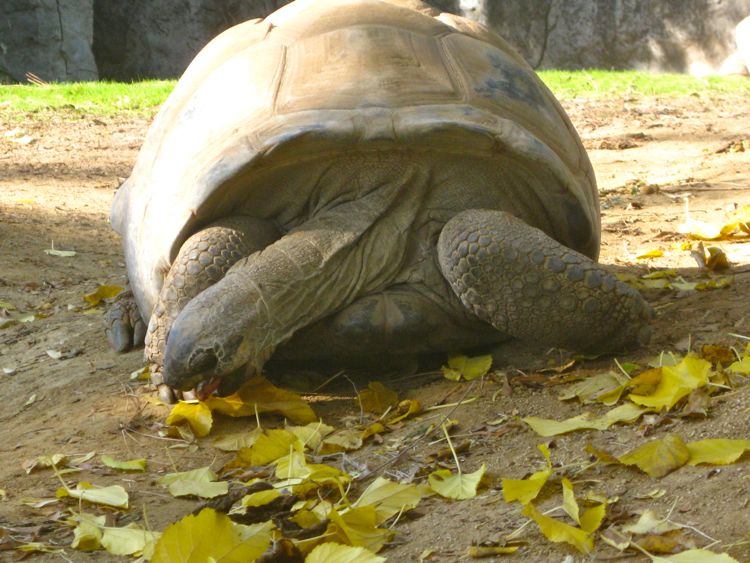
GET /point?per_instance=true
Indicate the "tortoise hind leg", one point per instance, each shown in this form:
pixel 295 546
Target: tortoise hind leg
pixel 529 286
pixel 203 260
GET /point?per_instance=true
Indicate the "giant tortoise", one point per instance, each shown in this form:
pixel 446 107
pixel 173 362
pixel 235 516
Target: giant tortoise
pixel 360 178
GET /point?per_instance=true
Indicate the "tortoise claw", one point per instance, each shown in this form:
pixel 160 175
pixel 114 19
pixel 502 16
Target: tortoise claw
pixel 125 328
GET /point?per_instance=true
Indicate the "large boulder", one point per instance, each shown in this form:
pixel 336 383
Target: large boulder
pixel 49 38
pixel 742 39
pixel 135 39
pixel 666 36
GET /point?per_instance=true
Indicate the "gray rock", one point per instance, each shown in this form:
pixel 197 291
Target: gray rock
pixel 49 38
pixel 742 39
pixel 666 36
pixel 135 39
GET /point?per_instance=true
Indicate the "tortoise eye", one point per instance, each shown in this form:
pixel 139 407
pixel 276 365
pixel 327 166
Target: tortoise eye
pixel 203 361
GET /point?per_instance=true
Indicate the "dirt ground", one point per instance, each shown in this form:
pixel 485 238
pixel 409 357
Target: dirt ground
pixel 649 156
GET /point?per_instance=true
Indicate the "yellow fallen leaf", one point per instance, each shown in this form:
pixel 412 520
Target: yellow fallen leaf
pixel 292 466
pixel 199 482
pixel 716 259
pixel 45 461
pixel 717 451
pixel 345 440
pixel 237 440
pixel 259 393
pixel 661 274
pixel 39 547
pixel 741 366
pixel 260 498
pixel 129 540
pixel 131 465
pixel 406 408
pixel 526 490
pixel 196 414
pixel 697 556
pixel 676 382
pixel 377 398
pixel 654 253
pixel 312 434
pixel 87 535
pixel 372 429
pixel 358 527
pixel 558 532
pixel 570 505
pixel 482 551
pixel 650 523
pixel 593 388
pixel 591 518
pixel 331 552
pixel 304 478
pixel 468 368
pixel 102 292
pixel 459 486
pixel 658 457
pixel 388 498
pixel 212 536
pixel 627 412
pixel 700 230
pixel 269 446
pixel 114 495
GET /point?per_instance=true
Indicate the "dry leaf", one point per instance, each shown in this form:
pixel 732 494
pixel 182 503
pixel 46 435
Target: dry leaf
pixel 468 368
pixel 212 536
pixel 658 457
pixel 196 414
pixel 358 527
pixel 377 398
pixel 132 465
pixel 654 253
pixel 627 412
pixel 676 382
pixel 102 292
pixel 341 441
pixel 388 498
pixel 717 451
pixel 457 486
pixel 558 532
pixel 331 552
pixel 697 556
pixel 259 393
pixel 269 446
pixel 526 490
pixel 406 408
pixel 199 482
pixel 114 495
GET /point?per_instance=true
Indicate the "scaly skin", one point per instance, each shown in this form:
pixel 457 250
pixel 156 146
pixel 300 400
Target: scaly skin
pixel 531 287
pixel 203 260
pixel 125 328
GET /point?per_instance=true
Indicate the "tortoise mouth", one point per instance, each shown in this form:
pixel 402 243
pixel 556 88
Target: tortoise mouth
pixel 207 388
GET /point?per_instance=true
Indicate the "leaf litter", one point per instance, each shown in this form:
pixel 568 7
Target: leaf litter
pixel 314 496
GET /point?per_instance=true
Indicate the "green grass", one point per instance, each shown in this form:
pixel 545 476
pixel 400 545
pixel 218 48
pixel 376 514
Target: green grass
pixel 106 98
pixel 98 98
pixel 568 84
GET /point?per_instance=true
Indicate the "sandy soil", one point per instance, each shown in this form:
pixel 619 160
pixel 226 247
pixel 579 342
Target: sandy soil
pixel 649 155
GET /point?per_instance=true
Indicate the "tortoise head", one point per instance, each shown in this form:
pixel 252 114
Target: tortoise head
pixel 208 344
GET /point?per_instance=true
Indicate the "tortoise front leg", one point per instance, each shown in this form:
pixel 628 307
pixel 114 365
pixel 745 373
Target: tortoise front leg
pixel 316 269
pixel 203 260
pixel 125 328
pixel 529 286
